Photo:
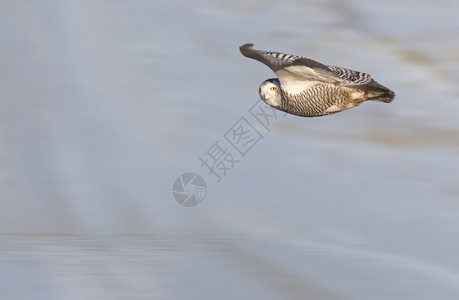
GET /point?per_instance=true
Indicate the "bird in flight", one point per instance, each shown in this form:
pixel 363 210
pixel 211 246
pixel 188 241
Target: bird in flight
pixel 307 88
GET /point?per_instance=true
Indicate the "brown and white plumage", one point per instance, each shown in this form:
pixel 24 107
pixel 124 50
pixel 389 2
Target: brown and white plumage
pixel 307 88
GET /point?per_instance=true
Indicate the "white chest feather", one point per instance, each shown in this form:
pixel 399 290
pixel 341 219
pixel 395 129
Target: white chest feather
pixel 296 79
pixel 297 87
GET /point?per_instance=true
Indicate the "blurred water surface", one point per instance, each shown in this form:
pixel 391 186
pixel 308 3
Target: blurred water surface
pixel 105 103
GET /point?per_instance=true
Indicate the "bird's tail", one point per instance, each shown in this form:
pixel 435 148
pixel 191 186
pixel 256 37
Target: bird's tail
pixel 377 92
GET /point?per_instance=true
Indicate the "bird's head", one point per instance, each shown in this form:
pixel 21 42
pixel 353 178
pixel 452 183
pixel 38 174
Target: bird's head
pixel 270 92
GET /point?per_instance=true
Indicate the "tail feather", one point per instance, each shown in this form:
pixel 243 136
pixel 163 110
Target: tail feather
pixel 386 98
pixel 377 92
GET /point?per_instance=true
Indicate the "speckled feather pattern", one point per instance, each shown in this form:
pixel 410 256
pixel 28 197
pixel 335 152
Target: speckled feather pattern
pixel 348 75
pixel 309 88
pixel 314 101
pixel 351 76
pixel 285 58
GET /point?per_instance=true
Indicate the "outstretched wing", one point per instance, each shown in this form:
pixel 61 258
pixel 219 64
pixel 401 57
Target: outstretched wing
pixel 295 73
pixel 350 76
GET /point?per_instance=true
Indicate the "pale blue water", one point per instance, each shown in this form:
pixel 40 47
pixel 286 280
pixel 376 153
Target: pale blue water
pixel 105 104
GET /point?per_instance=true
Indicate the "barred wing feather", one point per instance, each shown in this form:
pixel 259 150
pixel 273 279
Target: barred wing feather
pixel 350 76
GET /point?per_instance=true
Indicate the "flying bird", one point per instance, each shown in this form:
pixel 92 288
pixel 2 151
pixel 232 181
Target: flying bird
pixel 307 88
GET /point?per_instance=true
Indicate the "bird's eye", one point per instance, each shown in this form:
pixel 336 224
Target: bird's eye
pixel 273 88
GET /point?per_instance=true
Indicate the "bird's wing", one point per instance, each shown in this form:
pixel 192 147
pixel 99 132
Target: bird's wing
pixel 351 77
pixel 295 73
